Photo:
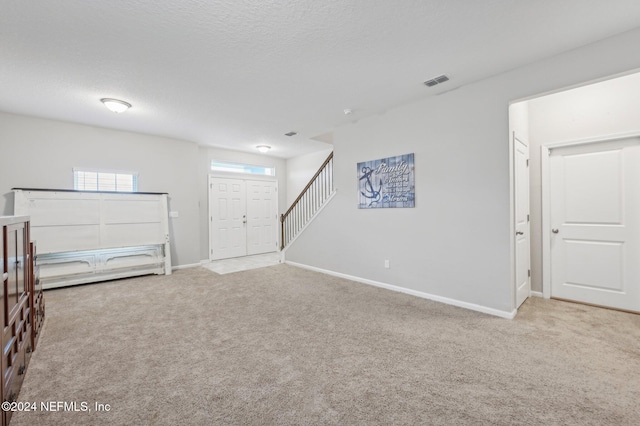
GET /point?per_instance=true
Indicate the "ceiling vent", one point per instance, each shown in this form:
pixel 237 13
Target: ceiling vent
pixel 290 134
pixel 437 80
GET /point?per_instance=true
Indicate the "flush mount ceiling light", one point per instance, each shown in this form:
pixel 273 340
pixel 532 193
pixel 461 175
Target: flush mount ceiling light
pixel 263 148
pixel 115 105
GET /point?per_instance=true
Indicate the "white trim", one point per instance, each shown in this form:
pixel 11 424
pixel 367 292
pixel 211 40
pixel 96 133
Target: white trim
pixel 546 217
pixel 333 194
pixel 446 300
pixel 512 217
pixel 238 172
pixel 545 153
pixel 98 170
pixel 187 266
pixel 538 294
pixel 243 176
pixel 594 139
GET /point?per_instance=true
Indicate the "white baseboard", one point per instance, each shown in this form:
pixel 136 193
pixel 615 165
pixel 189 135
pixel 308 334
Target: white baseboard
pixel 537 294
pixel 190 265
pixel 446 300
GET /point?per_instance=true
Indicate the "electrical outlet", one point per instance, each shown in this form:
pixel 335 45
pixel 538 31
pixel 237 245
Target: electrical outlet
pixel 386 264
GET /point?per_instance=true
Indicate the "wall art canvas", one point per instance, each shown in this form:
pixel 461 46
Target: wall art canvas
pixel 387 183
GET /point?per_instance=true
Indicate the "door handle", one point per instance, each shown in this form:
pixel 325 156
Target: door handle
pixel 519 233
pixel 555 230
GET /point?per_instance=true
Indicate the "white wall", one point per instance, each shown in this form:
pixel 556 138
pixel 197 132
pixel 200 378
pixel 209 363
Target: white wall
pixel 39 153
pixel 205 155
pixel 456 242
pixel 300 170
pixel 600 109
pixel 603 109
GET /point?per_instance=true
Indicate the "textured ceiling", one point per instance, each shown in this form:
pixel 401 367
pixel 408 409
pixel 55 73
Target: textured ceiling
pixel 240 73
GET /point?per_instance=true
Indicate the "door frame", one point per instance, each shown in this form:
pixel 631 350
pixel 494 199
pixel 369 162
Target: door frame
pixel 545 151
pixel 243 177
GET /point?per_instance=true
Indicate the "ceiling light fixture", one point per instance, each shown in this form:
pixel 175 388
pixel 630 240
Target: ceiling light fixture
pixel 263 148
pixel 115 105
pixel 348 111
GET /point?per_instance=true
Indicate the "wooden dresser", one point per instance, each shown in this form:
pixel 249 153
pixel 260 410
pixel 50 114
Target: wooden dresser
pixel 22 310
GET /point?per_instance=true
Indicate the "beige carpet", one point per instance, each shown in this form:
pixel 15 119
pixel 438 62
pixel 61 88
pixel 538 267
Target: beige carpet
pixel 286 346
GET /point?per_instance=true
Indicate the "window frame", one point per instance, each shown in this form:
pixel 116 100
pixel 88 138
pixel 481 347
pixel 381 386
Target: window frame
pixel 241 169
pixel 134 180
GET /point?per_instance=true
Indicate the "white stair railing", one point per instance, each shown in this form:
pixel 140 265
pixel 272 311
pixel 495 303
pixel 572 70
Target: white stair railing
pixel 311 199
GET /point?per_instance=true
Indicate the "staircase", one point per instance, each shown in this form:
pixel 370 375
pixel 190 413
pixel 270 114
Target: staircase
pixel 311 200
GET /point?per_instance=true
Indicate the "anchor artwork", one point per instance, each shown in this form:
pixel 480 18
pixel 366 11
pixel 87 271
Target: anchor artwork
pixel 387 183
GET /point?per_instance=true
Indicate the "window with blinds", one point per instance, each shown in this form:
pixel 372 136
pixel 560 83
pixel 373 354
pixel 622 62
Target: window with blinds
pixel 98 180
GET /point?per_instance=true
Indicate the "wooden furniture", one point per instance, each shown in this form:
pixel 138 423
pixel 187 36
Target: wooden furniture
pixel 91 236
pixel 21 308
pixel 37 297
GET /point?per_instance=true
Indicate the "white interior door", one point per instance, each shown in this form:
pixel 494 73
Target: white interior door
pixel 227 204
pixel 595 223
pixel 522 234
pixel 262 217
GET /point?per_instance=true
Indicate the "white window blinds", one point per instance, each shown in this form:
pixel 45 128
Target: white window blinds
pixel 97 180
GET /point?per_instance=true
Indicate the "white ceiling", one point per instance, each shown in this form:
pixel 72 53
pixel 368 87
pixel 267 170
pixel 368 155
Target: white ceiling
pixel 240 73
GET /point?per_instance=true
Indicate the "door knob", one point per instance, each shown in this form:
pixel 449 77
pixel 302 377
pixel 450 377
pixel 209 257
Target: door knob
pixel 555 230
pixel 519 233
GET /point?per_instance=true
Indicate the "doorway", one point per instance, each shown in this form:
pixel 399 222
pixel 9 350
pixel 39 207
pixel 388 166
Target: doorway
pixel 591 115
pixel 243 217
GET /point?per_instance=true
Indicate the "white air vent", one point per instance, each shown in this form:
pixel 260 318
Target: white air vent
pixel 436 80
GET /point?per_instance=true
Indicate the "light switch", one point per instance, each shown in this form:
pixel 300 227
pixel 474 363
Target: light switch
pixel 174 214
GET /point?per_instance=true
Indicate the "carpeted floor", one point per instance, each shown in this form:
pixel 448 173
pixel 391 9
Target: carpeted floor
pixel 287 346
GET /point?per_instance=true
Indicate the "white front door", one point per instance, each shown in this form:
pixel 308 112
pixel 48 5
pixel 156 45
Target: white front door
pixel 595 223
pixel 522 235
pixel 227 204
pixel 243 217
pixel 262 217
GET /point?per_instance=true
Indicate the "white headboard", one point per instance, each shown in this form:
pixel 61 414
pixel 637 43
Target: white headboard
pixel 64 221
